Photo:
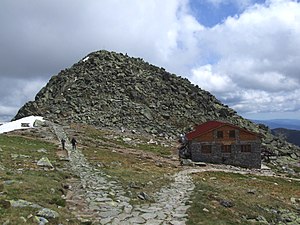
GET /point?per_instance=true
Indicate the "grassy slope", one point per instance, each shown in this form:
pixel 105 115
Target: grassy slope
pixel 30 183
pixel 22 179
pixel 252 197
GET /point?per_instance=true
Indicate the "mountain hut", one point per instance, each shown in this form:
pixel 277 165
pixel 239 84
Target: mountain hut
pixel 224 143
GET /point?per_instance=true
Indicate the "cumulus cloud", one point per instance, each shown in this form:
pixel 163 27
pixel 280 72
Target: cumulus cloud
pixel 264 102
pixel 257 54
pixel 207 79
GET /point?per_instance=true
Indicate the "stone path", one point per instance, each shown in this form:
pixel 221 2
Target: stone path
pixel 102 200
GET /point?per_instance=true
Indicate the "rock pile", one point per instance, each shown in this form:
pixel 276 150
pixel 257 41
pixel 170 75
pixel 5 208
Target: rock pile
pixel 113 90
pixel 107 89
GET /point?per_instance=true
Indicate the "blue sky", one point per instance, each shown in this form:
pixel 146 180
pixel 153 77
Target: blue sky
pixel 211 13
pixel 245 52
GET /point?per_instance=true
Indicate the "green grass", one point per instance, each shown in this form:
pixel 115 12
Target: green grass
pixel 212 187
pixel 23 179
pixel 24 150
pixel 106 138
pixel 157 149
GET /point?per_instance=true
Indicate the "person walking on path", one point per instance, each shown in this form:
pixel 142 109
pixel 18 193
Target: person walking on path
pixel 73 142
pixel 63 141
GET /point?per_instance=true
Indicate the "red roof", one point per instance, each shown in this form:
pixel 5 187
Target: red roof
pixel 212 125
pixel 203 128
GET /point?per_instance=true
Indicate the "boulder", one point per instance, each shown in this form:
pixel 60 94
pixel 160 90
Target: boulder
pixel 226 203
pixel 47 213
pixel 41 220
pixel 144 196
pixel 187 162
pixel 39 123
pixel 44 162
pixel 23 203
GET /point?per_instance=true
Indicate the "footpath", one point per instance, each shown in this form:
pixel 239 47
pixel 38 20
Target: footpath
pixel 99 199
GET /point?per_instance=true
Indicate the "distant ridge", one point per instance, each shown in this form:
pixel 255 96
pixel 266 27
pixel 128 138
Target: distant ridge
pixel 292 124
pixel 292 136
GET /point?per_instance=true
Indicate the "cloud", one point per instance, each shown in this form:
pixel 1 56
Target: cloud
pixel 7 110
pixel 42 37
pixel 207 79
pixel 15 92
pixel 241 4
pixel 278 102
pixel 256 57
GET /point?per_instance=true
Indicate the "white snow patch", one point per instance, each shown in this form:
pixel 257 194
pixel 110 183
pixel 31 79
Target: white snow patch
pixel 17 125
pixel 85 59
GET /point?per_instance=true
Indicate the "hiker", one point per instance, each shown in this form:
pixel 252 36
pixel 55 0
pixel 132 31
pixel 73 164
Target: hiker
pixel 73 142
pixel 63 141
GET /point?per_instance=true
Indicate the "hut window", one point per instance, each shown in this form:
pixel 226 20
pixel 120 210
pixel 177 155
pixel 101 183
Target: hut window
pixel 232 133
pixel 206 149
pixel 219 134
pixel 245 148
pixel 226 148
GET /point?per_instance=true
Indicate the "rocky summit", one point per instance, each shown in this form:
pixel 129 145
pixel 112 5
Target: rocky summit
pixel 113 90
pixel 108 89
